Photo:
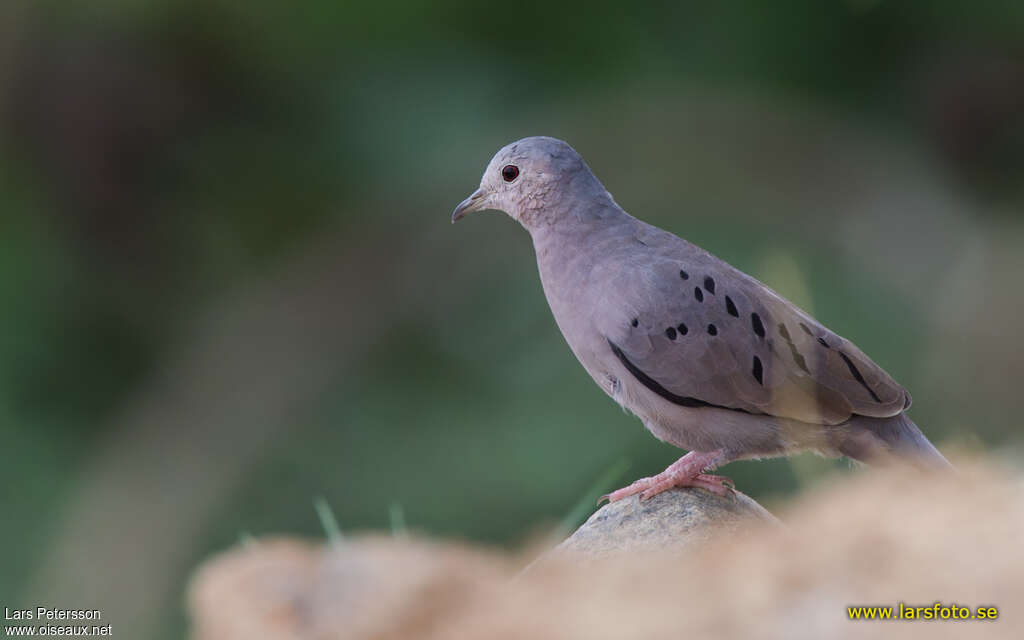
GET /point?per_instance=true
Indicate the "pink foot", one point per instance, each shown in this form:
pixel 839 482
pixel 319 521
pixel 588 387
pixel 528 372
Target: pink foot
pixel 687 471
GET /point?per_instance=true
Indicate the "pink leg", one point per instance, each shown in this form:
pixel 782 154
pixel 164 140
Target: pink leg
pixel 687 471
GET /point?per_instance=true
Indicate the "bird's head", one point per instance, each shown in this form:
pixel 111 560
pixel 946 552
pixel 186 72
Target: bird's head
pixel 533 180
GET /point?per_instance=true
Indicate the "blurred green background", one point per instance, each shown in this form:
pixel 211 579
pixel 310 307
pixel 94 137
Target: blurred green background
pixel 228 283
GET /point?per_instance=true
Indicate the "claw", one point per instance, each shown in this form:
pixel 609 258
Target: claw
pixel 688 471
pixel 719 485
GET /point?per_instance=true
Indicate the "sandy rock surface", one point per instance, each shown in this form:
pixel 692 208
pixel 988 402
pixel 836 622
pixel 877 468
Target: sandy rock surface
pixel 874 538
pixel 679 517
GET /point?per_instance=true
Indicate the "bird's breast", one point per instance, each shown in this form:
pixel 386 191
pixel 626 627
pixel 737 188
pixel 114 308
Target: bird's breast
pixel 567 274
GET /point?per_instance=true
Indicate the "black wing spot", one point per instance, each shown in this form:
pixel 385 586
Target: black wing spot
pixel 806 329
pixel 758 371
pixel 857 376
pixel 683 329
pixel 758 326
pixel 635 322
pixel 709 284
pixel 822 342
pixel 730 306
pixel 683 274
pixel 656 387
pixel 697 293
pixel 712 330
pixel 671 333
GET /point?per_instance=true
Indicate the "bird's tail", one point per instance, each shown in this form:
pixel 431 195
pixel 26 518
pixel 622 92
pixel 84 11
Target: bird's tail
pixel 873 440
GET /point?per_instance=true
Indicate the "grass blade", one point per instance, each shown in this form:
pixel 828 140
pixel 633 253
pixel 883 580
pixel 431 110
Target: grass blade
pixel 585 506
pixel 327 520
pixel 396 516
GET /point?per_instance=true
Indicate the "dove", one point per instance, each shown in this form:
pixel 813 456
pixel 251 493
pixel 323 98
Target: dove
pixel 710 359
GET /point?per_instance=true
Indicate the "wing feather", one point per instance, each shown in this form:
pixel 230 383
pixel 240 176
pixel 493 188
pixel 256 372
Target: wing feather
pixel 696 344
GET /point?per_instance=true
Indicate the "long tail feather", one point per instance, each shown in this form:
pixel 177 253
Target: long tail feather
pixel 872 439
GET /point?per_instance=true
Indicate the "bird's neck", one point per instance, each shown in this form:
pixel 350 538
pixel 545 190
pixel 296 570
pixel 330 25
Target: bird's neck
pixel 565 243
pixel 563 205
pixel 571 211
pixel 568 248
pixel 572 221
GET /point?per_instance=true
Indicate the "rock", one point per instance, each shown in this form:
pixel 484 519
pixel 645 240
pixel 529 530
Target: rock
pixel 379 587
pixel 676 518
pixel 877 538
pixel 364 587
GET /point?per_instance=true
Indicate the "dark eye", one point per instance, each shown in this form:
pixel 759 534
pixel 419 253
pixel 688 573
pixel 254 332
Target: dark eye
pixel 510 172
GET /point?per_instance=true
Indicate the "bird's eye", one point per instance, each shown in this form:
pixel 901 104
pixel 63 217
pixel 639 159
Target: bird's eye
pixel 510 172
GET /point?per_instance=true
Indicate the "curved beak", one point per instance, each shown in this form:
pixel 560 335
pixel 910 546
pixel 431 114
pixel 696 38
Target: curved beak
pixel 474 202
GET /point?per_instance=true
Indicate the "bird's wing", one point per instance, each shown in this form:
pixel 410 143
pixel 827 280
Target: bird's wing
pixel 708 334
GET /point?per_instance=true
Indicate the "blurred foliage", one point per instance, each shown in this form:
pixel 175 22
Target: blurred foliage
pixel 158 156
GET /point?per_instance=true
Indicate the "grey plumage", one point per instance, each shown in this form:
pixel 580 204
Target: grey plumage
pixel 709 358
